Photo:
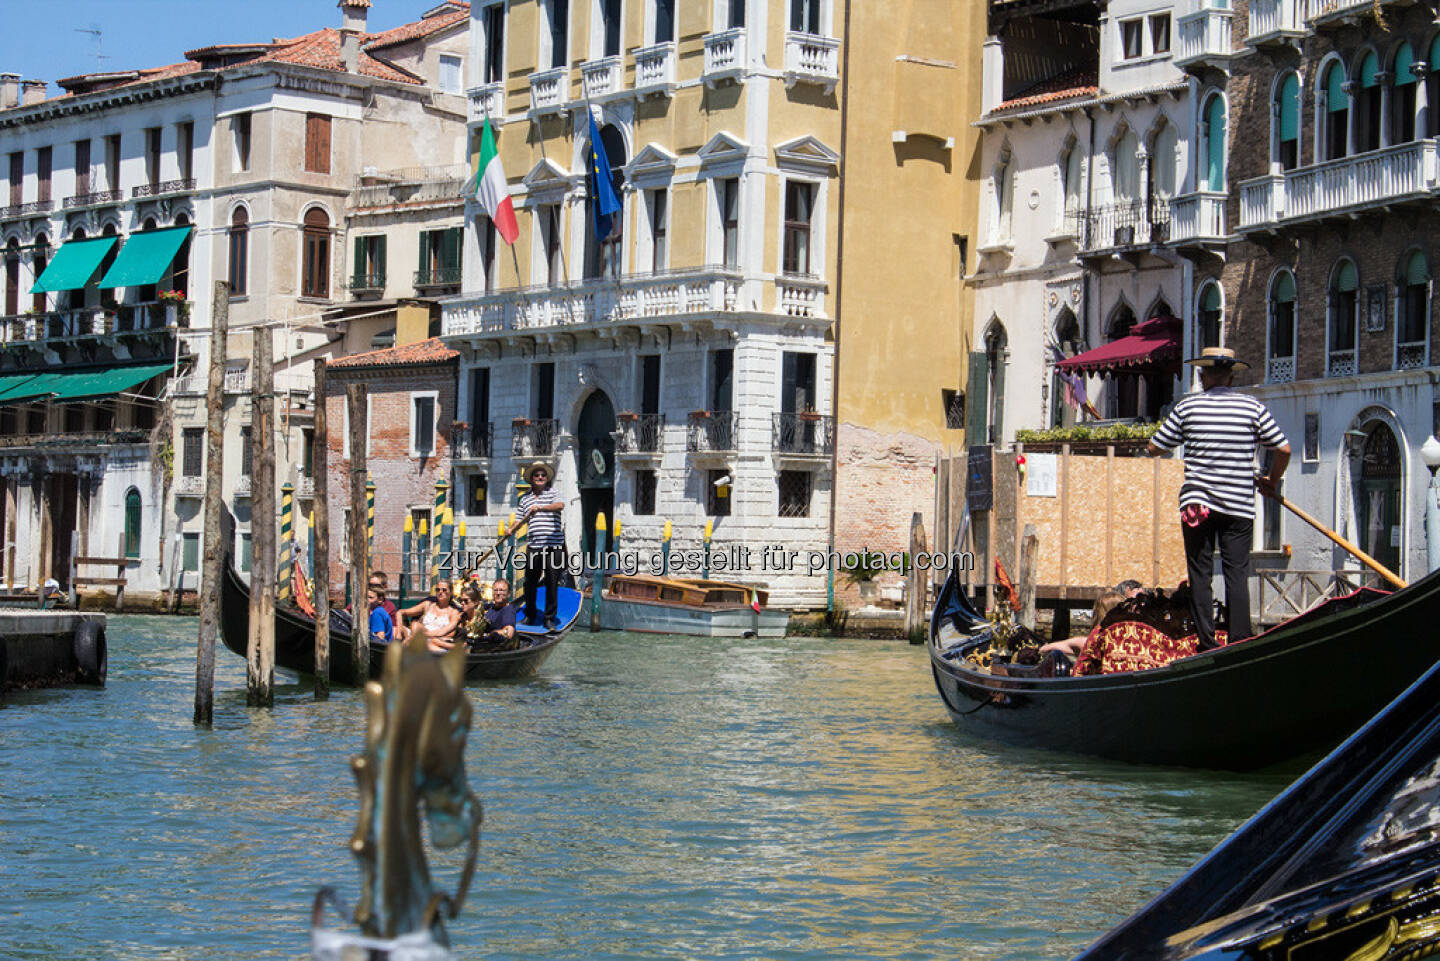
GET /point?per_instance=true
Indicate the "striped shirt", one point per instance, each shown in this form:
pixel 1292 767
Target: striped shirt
pixel 1221 430
pixel 544 529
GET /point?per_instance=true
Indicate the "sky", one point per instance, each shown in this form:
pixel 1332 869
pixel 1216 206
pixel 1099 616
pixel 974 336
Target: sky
pixel 40 40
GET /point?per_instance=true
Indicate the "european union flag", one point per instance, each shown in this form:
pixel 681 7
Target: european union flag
pixel 605 202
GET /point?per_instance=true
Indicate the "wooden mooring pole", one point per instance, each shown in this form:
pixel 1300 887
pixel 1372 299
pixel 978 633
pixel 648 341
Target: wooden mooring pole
pixel 916 583
pixel 211 565
pixel 1029 575
pixel 355 400
pixel 320 555
pixel 260 651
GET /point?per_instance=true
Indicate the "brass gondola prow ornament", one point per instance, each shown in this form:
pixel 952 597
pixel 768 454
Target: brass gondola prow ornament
pixel 418 717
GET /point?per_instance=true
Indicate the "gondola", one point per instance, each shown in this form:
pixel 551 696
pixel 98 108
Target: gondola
pixel 1296 689
pixel 1344 864
pixel 295 638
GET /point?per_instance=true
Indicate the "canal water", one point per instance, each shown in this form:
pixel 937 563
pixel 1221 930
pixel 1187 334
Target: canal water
pixel 646 797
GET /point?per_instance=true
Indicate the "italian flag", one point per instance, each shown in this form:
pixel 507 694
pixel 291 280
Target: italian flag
pixel 493 190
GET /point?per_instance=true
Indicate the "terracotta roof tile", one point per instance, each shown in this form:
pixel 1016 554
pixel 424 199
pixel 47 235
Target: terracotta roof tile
pixel 418 29
pixel 321 50
pixel 430 351
pixel 1083 82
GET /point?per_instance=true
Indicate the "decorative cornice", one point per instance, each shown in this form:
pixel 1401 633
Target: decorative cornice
pixel 107 99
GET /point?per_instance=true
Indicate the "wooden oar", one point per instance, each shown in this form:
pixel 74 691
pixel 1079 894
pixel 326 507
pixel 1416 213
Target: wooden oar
pixel 1364 558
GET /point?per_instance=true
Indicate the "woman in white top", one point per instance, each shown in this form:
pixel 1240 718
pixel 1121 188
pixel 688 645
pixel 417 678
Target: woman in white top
pixel 439 618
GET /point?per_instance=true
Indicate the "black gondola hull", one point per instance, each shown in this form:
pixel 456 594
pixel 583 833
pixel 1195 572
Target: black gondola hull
pixel 1297 689
pixel 295 643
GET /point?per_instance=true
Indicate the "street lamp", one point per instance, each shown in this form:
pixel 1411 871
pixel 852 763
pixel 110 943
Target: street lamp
pixel 1430 454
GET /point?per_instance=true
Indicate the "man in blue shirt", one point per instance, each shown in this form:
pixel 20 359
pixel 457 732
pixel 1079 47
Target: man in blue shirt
pixel 382 629
pixel 545 551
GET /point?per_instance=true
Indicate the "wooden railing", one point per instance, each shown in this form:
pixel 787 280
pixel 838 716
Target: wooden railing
pixel 1283 594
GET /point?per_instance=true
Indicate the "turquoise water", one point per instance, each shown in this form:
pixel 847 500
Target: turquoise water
pixel 646 797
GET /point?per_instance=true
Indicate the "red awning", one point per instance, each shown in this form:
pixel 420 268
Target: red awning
pixel 1151 347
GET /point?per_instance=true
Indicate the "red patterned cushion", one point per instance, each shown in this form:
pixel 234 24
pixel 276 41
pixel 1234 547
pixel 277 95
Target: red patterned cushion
pixel 1132 646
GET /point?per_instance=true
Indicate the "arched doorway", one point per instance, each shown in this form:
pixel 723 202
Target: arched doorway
pixel 997 349
pixel 1378 495
pixel 1068 343
pixel 595 467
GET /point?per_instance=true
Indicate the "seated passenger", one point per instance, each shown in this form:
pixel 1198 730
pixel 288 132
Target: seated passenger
pixel 492 626
pixel 1104 604
pixel 382 630
pixel 439 617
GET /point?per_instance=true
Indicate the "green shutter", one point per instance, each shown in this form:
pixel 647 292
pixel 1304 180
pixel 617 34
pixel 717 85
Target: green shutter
pixel 1210 301
pixel 1404 60
pixel 380 258
pixel 1348 279
pixel 1336 99
pixel 1290 109
pixel 357 272
pixel 1284 292
pixel 1370 71
pixel 977 418
pixel 132 524
pixel 1416 271
pixel 450 248
pixel 425 252
pixel 1215 144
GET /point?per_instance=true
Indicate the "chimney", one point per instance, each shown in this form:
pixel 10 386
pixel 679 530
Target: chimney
pixel 32 91
pixel 353 15
pixel 9 90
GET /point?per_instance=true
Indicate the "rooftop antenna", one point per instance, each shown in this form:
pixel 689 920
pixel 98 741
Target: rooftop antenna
pixel 94 31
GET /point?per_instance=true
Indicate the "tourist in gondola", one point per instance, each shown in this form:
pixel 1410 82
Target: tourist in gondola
pixel 490 627
pixel 1221 430
pixel 382 629
pixel 545 550
pixel 438 616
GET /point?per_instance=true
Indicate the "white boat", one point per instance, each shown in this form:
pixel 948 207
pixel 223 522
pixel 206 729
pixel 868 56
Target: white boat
pixel 699 608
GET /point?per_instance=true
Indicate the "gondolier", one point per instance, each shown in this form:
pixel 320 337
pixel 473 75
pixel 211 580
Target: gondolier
pixel 1221 430
pixel 545 550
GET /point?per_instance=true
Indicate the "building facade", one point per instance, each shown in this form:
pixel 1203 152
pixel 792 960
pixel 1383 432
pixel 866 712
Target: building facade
pixel 1327 279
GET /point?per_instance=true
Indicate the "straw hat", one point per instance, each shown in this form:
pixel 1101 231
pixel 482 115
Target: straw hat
pixel 538 465
pixel 1222 357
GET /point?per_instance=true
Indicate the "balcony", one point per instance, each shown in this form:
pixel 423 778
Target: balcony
pixel 724 56
pixel 1276 23
pixel 74 441
pixel 804 434
pixel 712 432
pixel 810 58
pixel 659 296
pixel 655 70
pixel 1331 14
pixel 1340 363
pixel 35 208
pixel 487 100
pixel 306 487
pixel 1198 219
pixel 601 78
pixel 188 486
pixel 88 323
pixel 442 184
pixel 163 188
pixel 800 296
pixel 472 442
pixel 437 277
pixel 1410 356
pixel 1205 39
pixel 97 198
pixel 534 438
pixel 549 90
pixel 1375 180
pixel 367 285
pixel 1126 226
pixel 639 436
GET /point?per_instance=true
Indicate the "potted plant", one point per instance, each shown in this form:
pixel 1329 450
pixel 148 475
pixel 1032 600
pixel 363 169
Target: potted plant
pixel 629 415
pixel 699 415
pixel 810 415
pixel 520 422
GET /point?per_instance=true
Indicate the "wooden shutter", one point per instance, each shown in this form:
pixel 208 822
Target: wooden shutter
pixel 977 419
pixel 317 143
pixel 360 269
pixel 450 248
pixel 379 268
pixel 424 261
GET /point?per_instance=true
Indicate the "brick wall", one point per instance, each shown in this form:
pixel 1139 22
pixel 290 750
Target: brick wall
pixel 402 482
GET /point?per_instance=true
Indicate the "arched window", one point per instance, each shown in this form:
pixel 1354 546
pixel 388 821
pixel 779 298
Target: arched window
pixel 1381 512
pixel 41 260
pixel 1344 323
pixel 1214 137
pixel 1161 308
pixel 315 258
pixel 1403 97
pixel 132 523
pixel 1072 183
pixel 1004 186
pixel 1068 343
pixel 1335 116
pixel 1368 115
pixel 239 251
pixel 996 348
pixel 1287 122
pixel 1413 312
pixel 1280 362
pixel 1163 163
pixel 602 258
pixel 1126 174
pixel 1208 317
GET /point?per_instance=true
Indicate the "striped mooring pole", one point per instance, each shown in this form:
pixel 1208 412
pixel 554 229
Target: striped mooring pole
pixel 705 553
pixel 665 534
pixel 407 557
pixel 370 523
pixel 310 545
pixel 422 552
pixel 461 571
pixel 615 539
pixel 597 578
pixel 287 551
pixel 444 559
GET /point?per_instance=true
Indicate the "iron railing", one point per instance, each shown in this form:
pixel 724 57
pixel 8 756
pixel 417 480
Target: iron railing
pixel 712 431
pixel 162 187
pixel 438 277
pixel 31 209
pixel 472 441
pixel 534 438
pixel 804 433
pixel 640 433
pixel 94 198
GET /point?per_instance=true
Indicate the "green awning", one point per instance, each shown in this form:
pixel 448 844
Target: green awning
pixel 145 257
pixel 14 383
pixel 75 263
pixel 64 387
